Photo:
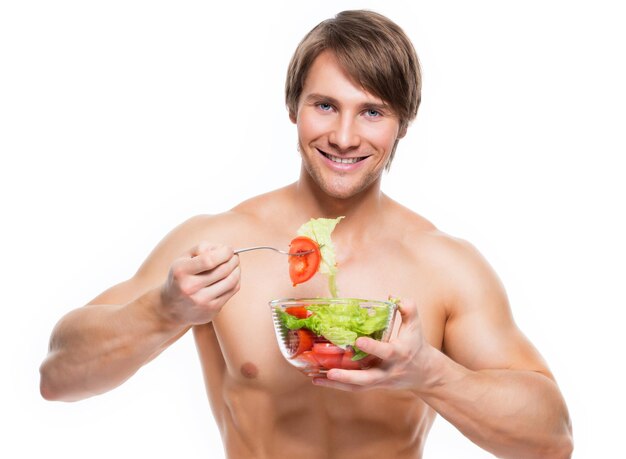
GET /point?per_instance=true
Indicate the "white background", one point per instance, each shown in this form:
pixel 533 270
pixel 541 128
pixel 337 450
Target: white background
pixel 120 119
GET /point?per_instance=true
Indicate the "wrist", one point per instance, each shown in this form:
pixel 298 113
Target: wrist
pixel 155 306
pixel 438 371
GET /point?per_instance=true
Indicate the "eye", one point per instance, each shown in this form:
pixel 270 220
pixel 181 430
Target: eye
pixel 372 113
pixel 324 106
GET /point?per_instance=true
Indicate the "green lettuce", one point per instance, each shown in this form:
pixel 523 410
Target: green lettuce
pixel 341 324
pixel 319 229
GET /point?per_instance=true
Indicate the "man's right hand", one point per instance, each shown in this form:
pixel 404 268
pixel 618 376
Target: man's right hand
pixel 199 284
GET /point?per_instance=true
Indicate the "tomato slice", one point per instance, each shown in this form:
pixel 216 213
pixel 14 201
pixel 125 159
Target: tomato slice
pixel 308 358
pixel 347 363
pixel 369 361
pixel 303 267
pixel 327 348
pixel 328 355
pixel 299 341
pixel 298 311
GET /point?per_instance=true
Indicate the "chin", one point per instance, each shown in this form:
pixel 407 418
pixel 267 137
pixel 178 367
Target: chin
pixel 341 187
pixel 343 190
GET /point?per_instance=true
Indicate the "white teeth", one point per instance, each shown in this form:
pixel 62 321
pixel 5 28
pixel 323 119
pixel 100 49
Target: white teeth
pixel 342 160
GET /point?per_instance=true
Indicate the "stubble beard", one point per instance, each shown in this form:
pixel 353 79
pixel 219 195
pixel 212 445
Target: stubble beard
pixel 341 185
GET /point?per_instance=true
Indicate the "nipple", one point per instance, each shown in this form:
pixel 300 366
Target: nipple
pixel 249 370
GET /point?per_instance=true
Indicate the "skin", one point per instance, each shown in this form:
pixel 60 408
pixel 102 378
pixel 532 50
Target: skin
pixel 458 351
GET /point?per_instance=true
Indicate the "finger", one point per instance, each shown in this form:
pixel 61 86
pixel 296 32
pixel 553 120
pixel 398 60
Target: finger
pixel 214 292
pixel 407 309
pixel 324 382
pixel 229 293
pixel 220 301
pixel 408 315
pixel 377 348
pixel 206 260
pixel 207 278
pixel 369 378
pixel 203 246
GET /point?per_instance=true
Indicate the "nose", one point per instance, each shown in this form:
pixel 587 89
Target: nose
pixel 344 134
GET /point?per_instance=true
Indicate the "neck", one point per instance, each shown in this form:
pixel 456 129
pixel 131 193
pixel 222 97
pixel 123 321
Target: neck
pixel 358 209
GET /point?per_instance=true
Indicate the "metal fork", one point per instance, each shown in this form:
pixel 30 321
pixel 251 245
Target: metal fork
pixel 266 247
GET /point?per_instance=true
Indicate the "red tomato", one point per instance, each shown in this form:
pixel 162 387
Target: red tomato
pixel 303 267
pixel 347 363
pixel 328 355
pixel 308 358
pixel 298 311
pixel 299 341
pixel 368 361
pixel 326 347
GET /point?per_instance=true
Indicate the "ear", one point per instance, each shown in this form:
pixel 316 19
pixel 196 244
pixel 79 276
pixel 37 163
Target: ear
pixel 402 130
pixel 292 117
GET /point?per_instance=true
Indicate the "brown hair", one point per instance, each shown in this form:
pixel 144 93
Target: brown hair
pixel 373 50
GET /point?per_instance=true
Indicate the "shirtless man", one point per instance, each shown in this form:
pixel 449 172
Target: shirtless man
pixel 352 88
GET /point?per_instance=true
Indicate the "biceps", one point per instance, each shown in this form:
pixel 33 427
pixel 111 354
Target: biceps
pixel 124 292
pixel 479 340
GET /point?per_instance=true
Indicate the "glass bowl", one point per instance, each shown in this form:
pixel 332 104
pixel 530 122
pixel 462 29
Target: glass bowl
pixel 318 334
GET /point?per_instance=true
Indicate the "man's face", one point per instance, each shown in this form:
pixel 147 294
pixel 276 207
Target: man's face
pixel 345 134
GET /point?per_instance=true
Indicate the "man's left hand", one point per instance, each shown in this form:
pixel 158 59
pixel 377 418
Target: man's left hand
pixel 406 360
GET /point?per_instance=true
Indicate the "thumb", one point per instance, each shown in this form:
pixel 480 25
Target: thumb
pixel 409 316
pixel 374 347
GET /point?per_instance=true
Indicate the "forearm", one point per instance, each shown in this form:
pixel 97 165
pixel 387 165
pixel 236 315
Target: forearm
pixel 96 348
pixel 510 413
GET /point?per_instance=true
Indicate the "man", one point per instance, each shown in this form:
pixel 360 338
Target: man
pixel 352 88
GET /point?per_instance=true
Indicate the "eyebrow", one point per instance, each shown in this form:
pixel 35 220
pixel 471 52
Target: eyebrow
pixel 314 97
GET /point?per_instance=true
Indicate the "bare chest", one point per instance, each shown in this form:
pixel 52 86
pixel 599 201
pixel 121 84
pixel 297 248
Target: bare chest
pixel 245 329
pixel 257 383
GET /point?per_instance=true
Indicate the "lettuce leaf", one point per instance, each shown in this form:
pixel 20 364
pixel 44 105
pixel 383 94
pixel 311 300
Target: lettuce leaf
pixel 341 324
pixel 319 229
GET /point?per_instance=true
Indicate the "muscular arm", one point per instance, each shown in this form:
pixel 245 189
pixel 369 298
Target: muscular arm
pixel 97 347
pixel 489 381
pixel 511 413
pixel 492 384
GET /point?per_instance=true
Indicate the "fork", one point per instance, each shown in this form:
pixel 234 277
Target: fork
pixel 266 247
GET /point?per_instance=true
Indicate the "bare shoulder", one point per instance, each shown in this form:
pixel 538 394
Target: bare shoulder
pixel 480 331
pixel 455 264
pixel 246 223
pixel 276 205
pixel 462 261
pixel 240 226
pixel 420 236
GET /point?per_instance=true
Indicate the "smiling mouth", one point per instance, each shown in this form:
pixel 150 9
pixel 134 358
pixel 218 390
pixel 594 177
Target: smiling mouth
pixel 339 160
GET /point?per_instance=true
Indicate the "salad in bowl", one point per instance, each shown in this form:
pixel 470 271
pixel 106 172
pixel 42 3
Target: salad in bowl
pixel 318 334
